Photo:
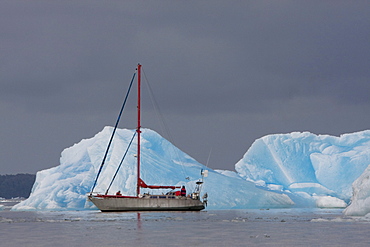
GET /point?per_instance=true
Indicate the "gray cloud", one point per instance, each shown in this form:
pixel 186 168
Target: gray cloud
pixel 223 73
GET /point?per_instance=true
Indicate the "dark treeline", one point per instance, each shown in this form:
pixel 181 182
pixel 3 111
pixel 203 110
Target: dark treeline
pixel 19 185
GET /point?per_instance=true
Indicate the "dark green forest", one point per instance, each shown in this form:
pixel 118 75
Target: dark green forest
pixel 19 185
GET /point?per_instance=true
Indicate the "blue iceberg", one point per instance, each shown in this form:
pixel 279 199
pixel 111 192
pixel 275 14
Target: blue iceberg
pixel 318 167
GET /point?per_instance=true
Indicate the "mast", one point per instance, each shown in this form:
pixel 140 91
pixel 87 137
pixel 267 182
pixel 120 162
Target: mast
pixel 138 131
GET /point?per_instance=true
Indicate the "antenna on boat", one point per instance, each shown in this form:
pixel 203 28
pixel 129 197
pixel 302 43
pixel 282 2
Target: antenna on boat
pixel 199 183
pixel 209 156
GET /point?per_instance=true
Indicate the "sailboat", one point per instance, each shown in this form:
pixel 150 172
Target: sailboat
pixel 170 201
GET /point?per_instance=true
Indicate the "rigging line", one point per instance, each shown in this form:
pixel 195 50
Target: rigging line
pixel 162 123
pixel 119 166
pixel 114 131
pixel 155 105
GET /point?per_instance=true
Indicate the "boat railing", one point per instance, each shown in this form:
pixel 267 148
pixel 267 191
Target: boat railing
pixel 162 196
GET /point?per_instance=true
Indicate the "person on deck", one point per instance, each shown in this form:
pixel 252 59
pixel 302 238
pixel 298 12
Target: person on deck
pixel 118 193
pixel 183 191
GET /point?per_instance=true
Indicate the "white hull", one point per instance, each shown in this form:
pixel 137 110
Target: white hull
pixel 152 203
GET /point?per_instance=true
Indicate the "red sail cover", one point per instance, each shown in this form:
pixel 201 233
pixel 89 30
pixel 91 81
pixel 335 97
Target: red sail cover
pixel 142 184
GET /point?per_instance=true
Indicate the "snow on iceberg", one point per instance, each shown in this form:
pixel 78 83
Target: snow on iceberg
pixel 307 164
pixel 65 187
pixel 360 202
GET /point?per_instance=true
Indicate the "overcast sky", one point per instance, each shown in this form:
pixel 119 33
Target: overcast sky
pixel 224 73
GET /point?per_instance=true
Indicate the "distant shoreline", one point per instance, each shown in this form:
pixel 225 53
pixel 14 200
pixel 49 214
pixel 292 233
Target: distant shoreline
pixel 16 186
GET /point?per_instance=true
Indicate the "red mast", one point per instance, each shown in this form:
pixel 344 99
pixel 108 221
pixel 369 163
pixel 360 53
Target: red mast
pixel 138 131
pixel 140 183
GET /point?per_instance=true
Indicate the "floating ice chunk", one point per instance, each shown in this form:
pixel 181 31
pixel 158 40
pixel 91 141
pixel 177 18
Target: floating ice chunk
pixel 329 202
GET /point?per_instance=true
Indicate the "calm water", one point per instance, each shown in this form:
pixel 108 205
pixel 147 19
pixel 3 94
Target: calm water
pixel 275 227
